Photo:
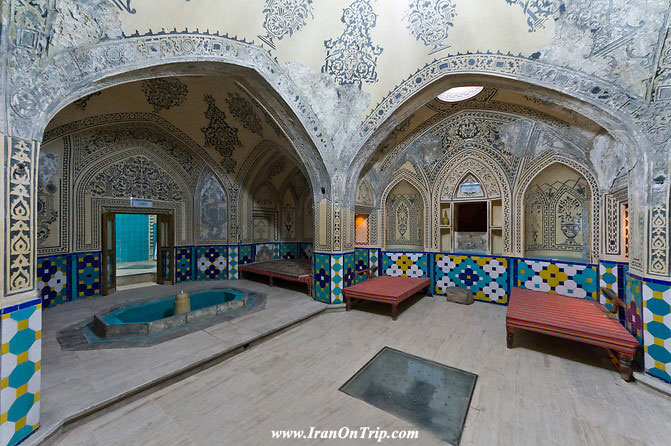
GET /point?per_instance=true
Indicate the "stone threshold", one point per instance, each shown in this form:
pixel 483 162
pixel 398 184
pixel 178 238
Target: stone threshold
pixel 653 383
pixel 47 435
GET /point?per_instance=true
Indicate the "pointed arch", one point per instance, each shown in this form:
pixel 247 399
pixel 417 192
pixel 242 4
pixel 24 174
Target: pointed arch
pixel 416 183
pixel 530 171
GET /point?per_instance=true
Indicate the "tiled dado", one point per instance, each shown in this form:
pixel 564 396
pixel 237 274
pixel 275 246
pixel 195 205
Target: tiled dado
pixel 656 299
pixel 405 264
pixel 489 278
pixel 332 273
pixel 68 277
pixel 568 279
pixel 20 365
pixel 365 258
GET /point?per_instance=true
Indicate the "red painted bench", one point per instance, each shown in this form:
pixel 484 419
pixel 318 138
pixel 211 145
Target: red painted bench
pixel 385 289
pixel 582 320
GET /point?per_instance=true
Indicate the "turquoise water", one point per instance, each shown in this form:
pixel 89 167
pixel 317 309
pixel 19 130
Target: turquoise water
pixel 162 308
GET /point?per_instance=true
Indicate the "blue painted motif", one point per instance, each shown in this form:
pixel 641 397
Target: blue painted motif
pixel 430 21
pixel 211 263
pixel 352 57
pixel 284 17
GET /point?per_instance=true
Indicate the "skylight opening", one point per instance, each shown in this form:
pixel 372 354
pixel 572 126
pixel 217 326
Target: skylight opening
pixel 457 94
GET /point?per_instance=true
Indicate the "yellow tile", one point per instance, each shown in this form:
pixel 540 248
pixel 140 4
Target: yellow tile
pixel 4 383
pixel 37 397
pixel 659 342
pixel 21 390
pixel 22 357
pixel 5 348
pixel 38 365
pixel 22 325
pixel 658 318
pixel 3 418
pixel 19 424
pixel 5 316
pixel 38 334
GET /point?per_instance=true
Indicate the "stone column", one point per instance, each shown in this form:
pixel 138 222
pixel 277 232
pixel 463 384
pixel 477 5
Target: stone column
pixel 21 330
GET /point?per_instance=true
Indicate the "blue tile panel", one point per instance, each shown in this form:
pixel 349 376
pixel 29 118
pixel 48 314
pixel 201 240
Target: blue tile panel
pixel 245 254
pixel 20 371
pixel 305 250
pixel 568 279
pixel 289 250
pixel 489 278
pixel 132 237
pixel 88 275
pixel 634 311
pixel 211 263
pixel 233 272
pixel 322 277
pixel 183 264
pixel 52 280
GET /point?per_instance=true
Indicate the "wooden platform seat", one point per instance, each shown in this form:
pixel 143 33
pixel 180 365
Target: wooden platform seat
pixel 582 320
pixel 292 270
pixel 385 289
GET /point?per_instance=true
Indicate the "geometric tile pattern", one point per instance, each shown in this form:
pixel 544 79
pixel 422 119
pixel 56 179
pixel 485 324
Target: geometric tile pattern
pixel 322 277
pixel 306 250
pixel 289 250
pixel 567 279
pixel 88 275
pixel 266 251
pixel 405 264
pixel 487 277
pixel 183 262
pixel 337 278
pixel 657 327
pixel 245 254
pixel 233 262
pixel 211 263
pixel 52 280
pixel 374 260
pixel 633 314
pixel 20 373
pixel 348 269
pixel 608 277
pixel 361 263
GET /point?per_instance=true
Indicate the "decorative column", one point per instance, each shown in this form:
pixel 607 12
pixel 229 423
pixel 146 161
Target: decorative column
pixel 21 329
pixel 334 246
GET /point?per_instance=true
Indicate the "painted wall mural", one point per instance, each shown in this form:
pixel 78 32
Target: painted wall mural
pixel 352 58
pixel 219 134
pixel 284 18
pixel 430 21
pixel 164 93
pixel 404 217
pixel 557 214
pixel 243 111
pixel 212 210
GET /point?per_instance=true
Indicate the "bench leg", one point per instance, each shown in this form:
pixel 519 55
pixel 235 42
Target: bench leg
pixel 394 311
pixel 270 279
pixel 510 336
pixel 625 367
pixel 348 304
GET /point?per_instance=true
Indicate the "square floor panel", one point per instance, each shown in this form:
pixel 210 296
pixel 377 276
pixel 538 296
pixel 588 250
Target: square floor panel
pixel 431 395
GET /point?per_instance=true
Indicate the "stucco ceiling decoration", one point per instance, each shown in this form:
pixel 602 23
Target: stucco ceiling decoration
pixel 457 94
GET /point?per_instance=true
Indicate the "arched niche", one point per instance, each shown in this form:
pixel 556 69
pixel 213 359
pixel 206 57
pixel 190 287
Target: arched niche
pixel 558 214
pixel 404 216
pixel 211 210
pixel 474 183
pixel 265 213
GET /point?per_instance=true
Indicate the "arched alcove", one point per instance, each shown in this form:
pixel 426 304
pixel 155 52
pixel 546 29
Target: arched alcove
pixel 404 217
pixel 557 214
pixel 211 210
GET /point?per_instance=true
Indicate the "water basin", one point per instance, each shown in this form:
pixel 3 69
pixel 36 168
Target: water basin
pixel 158 315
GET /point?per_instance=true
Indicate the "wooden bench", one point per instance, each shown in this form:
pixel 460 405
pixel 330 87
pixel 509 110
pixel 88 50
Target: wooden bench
pixel 581 320
pixel 385 289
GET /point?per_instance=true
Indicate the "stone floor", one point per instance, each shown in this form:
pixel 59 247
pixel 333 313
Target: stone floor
pixel 544 391
pixel 132 268
pixel 76 381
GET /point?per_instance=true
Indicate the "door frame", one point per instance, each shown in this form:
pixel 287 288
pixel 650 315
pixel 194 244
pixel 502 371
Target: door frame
pixel 106 210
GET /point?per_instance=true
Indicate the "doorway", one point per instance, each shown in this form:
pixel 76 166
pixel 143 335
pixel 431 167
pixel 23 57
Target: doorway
pixel 137 248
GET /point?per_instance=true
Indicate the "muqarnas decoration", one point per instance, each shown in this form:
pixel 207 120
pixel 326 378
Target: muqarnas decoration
pixel 352 57
pixel 164 93
pixel 430 21
pixel 284 18
pixel 220 135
